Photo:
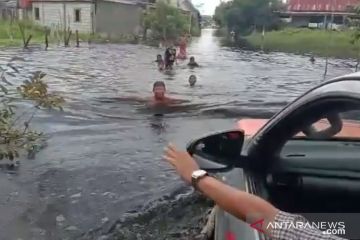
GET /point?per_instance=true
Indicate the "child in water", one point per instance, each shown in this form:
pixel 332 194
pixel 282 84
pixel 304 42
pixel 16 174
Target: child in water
pixel 192 80
pixel 170 57
pixel 192 63
pixel 160 62
pixel 160 98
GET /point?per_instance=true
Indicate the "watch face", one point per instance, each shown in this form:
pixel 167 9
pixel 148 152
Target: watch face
pixel 198 173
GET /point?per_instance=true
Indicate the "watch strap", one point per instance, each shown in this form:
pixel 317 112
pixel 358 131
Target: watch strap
pixel 195 181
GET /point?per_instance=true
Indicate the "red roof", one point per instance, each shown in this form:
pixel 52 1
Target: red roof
pixel 24 3
pixel 321 5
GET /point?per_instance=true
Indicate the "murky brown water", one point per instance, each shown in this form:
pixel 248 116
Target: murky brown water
pixel 104 156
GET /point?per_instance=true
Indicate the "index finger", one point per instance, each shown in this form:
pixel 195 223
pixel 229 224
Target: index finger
pixel 172 147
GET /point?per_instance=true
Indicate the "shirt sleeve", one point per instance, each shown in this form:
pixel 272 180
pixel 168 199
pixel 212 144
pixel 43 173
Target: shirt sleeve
pixel 292 233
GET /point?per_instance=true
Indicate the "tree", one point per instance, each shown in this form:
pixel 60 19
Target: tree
pixel 165 21
pixel 16 134
pixel 244 16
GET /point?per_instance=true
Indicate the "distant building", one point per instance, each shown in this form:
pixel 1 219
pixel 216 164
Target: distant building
pixel 187 5
pixel 319 13
pixel 119 17
pixel 63 14
pixel 111 18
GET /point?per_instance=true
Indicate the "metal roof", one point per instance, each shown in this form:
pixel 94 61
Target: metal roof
pixel 130 2
pixel 8 3
pixel 322 5
pixel 90 1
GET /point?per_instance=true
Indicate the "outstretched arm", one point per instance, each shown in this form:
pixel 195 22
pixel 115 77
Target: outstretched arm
pixel 242 204
pixel 132 99
pixel 236 202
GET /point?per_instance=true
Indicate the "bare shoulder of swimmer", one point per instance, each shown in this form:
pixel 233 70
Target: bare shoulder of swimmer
pixel 132 98
pixel 173 100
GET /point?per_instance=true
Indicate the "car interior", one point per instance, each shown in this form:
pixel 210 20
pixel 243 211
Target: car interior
pixel 311 173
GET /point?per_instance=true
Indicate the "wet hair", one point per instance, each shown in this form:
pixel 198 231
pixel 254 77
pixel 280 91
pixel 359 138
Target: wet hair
pixel 192 59
pixel 158 84
pixel 159 56
pixel 192 76
pixel 192 83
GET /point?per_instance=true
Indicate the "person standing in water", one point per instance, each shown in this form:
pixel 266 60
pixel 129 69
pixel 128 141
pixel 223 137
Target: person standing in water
pixel 192 63
pixel 192 80
pixel 169 56
pixel 182 48
pixel 160 62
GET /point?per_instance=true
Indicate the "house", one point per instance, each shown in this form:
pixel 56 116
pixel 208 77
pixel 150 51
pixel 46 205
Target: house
pixel 112 18
pixel 64 14
pixel 116 18
pixel 187 5
pixel 109 18
pixel 319 13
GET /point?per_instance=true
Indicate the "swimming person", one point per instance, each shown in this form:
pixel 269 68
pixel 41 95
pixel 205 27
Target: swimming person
pixel 192 80
pixel 192 62
pixel 160 62
pixel 159 96
pixel 159 91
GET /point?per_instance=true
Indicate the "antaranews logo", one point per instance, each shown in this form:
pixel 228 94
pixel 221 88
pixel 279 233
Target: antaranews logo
pixel 327 228
pixel 258 225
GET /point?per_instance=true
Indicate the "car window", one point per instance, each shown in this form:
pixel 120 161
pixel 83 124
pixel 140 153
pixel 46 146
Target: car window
pixel 334 125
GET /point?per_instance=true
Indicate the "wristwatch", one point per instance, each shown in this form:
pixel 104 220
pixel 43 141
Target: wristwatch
pixel 196 176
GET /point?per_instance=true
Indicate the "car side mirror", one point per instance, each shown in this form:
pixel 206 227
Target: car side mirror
pixel 218 152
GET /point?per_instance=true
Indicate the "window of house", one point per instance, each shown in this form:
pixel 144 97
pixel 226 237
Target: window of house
pixel 37 14
pixel 77 15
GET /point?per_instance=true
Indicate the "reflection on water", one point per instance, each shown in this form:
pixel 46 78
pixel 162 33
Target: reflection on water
pixel 104 154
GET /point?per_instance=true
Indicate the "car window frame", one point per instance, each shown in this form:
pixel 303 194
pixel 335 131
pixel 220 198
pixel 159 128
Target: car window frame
pixel 269 145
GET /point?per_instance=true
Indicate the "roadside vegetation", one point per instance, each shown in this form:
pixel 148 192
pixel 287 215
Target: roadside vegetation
pixel 10 33
pixel 306 41
pixel 165 22
pixel 25 33
pixel 244 17
pixel 255 25
pixel 16 134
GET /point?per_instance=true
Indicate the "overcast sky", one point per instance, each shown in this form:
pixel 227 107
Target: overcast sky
pixel 206 7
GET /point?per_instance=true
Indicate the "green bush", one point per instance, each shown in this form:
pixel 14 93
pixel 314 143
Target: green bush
pixel 16 134
pixel 166 22
pixel 303 41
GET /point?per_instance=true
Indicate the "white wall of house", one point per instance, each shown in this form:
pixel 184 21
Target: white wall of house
pixel 60 14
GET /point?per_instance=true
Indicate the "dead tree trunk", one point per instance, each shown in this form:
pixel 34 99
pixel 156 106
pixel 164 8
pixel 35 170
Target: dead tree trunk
pixel 46 41
pixel 68 38
pixel 77 39
pixel 22 32
pixel 27 41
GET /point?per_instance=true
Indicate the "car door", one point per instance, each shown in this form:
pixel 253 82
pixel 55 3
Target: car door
pixel 264 148
pixel 227 226
pixel 267 144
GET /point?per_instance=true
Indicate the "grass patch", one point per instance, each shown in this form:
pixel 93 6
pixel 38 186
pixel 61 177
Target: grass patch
pixel 10 34
pixel 307 41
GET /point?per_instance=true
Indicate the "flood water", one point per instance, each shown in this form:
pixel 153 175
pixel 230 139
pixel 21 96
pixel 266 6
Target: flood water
pixel 103 157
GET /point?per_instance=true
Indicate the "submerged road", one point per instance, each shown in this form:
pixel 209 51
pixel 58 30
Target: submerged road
pixel 103 158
